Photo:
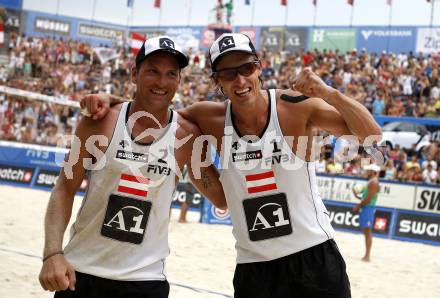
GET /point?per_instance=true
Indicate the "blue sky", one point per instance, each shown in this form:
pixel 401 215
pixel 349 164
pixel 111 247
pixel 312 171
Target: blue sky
pixel 267 12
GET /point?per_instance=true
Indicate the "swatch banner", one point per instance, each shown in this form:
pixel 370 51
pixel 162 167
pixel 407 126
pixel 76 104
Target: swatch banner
pixel 378 39
pixel 100 32
pixel 343 40
pixel 415 226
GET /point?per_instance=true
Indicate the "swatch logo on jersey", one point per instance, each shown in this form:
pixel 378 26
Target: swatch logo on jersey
pixel 260 182
pixel 133 185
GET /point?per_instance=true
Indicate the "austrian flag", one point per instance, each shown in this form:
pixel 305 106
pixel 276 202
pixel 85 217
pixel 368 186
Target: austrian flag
pixel 260 182
pixel 133 185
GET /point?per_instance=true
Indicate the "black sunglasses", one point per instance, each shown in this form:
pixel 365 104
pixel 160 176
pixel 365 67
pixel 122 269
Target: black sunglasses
pixel 229 74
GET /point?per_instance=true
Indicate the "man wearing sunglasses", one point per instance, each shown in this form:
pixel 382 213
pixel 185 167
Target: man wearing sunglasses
pixel 284 238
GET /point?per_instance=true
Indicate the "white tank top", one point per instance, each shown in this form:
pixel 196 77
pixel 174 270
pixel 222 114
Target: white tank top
pixel 121 230
pixel 272 194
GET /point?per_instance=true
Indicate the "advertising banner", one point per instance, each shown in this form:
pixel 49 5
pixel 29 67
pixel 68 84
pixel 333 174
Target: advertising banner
pixel 378 39
pixel 250 32
pixel 271 38
pixel 18 153
pixel 413 226
pixel 391 195
pixel 186 193
pixel 185 37
pixel 15 4
pixel 48 178
pixel 51 25
pixel 100 32
pixel 208 38
pixel 343 217
pixel 427 199
pixel 428 40
pixel 213 215
pixel 13 21
pixel 16 174
pixel 332 39
pixel 295 39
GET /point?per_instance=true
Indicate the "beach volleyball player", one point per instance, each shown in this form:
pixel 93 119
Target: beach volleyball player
pixel 284 238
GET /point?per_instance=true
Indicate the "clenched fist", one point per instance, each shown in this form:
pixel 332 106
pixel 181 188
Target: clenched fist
pixel 95 106
pixel 57 274
pixel 311 85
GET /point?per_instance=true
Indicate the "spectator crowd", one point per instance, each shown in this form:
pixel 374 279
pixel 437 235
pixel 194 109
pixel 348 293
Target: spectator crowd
pixel 404 84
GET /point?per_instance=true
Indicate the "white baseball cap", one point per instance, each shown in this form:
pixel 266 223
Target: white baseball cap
pixel 372 167
pixel 161 43
pixel 229 42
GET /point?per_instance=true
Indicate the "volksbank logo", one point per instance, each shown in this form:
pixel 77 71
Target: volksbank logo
pixel 318 35
pixel 386 33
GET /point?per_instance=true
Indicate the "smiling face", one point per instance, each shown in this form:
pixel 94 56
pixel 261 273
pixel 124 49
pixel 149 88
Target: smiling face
pixel 157 79
pixel 242 89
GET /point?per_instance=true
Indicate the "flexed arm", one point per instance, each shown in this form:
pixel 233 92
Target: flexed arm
pixel 334 111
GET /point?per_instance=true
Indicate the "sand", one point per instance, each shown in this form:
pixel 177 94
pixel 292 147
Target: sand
pixel 203 256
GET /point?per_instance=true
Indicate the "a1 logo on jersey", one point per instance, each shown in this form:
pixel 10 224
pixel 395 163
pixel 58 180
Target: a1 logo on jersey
pixel 126 219
pixel 267 217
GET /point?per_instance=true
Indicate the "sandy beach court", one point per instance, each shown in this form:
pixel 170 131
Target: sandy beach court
pixel 203 256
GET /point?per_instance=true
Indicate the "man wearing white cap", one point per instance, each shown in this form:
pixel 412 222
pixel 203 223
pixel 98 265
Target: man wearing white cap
pixel 284 238
pixel 119 240
pixel 368 197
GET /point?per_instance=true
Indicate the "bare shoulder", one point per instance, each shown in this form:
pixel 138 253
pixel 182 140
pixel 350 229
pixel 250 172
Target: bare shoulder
pixel 203 109
pixel 105 126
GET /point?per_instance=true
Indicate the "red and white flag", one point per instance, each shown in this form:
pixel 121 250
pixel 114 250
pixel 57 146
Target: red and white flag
pixel 133 185
pixel 2 35
pixel 136 42
pixel 260 182
pixel 380 224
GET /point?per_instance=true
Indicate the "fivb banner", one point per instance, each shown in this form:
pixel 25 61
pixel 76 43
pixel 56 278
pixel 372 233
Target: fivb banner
pixel 332 39
pixel 394 39
pixel 428 40
pixel 15 4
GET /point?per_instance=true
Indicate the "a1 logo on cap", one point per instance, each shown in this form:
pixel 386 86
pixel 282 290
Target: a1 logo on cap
pixel 166 43
pixel 225 43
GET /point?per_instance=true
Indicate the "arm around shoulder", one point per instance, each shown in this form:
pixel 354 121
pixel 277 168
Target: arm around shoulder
pixel 203 174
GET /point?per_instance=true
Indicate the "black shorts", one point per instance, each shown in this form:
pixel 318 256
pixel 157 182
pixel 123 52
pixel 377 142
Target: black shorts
pixel 89 286
pixel 318 272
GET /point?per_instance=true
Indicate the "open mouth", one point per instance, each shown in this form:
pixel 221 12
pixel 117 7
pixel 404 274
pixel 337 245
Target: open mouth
pixel 243 92
pixel 158 92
